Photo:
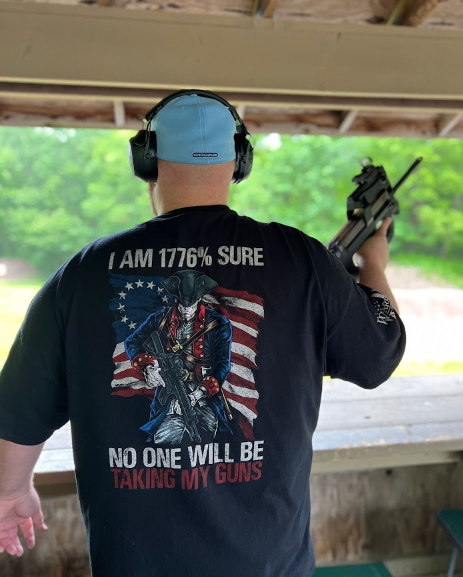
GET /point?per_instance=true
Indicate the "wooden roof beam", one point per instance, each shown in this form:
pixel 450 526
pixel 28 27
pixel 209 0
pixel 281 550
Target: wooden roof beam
pixel 347 119
pixel 119 113
pixel 148 96
pixel 327 60
pixel 241 111
pixel 411 12
pixel 447 123
pixel 100 114
pixel 265 8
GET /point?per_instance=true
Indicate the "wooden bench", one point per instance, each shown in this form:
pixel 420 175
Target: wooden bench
pixel 406 421
pixel 362 570
pixel 452 521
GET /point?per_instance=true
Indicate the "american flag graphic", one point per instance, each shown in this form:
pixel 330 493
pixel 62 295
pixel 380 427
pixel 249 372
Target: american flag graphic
pixel 136 298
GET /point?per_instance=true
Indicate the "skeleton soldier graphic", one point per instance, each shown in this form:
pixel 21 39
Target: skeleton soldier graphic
pixel 194 359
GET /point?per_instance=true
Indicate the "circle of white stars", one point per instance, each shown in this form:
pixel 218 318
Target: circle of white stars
pixel 124 292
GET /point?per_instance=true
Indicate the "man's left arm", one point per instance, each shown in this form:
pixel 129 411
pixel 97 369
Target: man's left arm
pixel 33 404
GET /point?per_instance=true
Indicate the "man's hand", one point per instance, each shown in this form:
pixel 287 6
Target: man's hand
pixel 23 512
pixel 197 394
pixel 375 250
pixel 152 375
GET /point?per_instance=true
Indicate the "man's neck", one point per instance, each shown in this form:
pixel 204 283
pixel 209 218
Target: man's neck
pixel 165 201
pixel 183 185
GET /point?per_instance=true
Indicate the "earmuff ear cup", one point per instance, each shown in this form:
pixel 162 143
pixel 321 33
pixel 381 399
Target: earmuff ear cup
pixel 142 155
pixel 243 160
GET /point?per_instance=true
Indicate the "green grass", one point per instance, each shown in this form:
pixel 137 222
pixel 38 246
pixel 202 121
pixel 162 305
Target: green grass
pixel 428 368
pixel 442 271
pixel 14 300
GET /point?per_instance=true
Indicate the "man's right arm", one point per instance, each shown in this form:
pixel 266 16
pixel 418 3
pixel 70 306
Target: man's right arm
pixel 364 336
pixel 372 258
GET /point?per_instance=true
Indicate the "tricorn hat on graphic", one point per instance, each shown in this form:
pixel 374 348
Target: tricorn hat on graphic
pixel 188 286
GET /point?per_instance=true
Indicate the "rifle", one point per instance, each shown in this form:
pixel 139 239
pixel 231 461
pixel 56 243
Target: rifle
pixel 371 202
pixel 171 367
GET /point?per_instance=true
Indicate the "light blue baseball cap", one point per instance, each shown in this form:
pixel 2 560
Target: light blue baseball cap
pixel 194 129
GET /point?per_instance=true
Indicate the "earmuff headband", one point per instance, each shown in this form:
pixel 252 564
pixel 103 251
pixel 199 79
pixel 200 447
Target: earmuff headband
pixel 241 128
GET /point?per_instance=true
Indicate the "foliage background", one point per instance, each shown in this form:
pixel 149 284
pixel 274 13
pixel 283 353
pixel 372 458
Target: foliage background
pixel 60 189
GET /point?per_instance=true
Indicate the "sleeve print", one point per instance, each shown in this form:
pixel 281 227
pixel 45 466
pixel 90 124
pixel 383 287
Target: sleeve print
pixel 384 311
pixel 370 341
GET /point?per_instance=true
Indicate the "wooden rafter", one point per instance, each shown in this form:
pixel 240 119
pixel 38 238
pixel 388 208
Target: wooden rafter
pixel 241 111
pixel 265 8
pixel 100 113
pixel 119 113
pixel 449 13
pixel 412 12
pixel 238 98
pixel 347 119
pixel 447 123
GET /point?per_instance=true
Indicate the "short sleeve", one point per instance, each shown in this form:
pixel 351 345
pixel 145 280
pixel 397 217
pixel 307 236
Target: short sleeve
pixel 365 337
pixel 33 393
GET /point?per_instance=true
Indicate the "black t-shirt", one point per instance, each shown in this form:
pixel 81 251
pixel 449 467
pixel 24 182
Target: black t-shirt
pixel 122 338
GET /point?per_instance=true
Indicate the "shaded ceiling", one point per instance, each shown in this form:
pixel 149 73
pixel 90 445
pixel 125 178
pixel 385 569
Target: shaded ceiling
pixel 357 67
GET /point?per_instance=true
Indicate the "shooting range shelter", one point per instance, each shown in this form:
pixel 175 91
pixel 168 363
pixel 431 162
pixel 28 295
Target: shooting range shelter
pixel 294 66
pixel 385 461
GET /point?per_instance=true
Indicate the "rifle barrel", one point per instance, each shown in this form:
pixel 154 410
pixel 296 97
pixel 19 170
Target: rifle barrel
pixel 407 174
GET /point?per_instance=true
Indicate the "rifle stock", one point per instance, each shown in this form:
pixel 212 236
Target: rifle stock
pixel 171 365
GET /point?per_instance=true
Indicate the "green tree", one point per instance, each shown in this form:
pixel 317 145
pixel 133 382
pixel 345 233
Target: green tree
pixel 61 189
pixel 305 183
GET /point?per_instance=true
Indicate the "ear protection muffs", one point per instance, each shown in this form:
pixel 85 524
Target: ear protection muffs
pixel 142 146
